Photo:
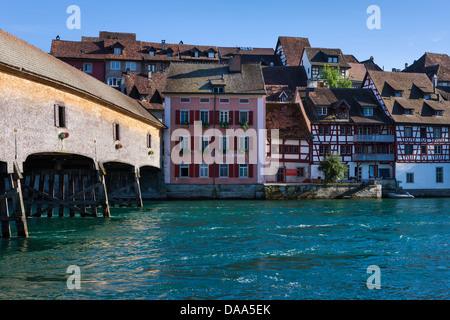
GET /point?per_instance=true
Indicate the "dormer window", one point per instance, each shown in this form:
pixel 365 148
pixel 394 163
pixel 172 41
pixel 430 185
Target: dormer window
pixel 195 54
pixel 409 112
pixel 211 55
pixel 322 111
pixel 218 89
pixel 368 112
pixel 399 94
pixel 152 53
pixel 332 59
pixel 169 54
pixel 439 113
pixel 118 51
pixel 427 96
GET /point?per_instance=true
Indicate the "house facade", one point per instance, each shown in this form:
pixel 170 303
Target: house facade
pixel 351 124
pixel 214 114
pixel 314 60
pixel 422 122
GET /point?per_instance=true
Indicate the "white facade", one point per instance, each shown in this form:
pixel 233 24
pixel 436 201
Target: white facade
pixel 424 175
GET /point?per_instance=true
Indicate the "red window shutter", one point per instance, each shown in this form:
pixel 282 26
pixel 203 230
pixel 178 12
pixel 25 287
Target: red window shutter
pixel 230 117
pixel 177 117
pixel 197 115
pixel 211 170
pixel 191 171
pixel 177 171
pixel 250 170
pixel 211 117
pixel 192 143
pixel 236 140
pixel 191 117
pixel 197 171
pixel 217 170
pixel 231 170
pixel 250 118
pixel 236 117
pixel 236 170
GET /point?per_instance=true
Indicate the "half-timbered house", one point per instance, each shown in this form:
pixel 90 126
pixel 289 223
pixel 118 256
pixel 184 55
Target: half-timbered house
pixel 422 122
pixel 351 124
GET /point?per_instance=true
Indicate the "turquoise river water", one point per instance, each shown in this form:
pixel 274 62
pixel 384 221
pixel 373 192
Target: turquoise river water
pixel 237 250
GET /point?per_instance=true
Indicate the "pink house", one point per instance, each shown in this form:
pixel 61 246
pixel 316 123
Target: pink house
pixel 214 113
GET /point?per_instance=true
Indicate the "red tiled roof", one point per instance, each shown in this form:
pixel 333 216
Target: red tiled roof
pixel 288 119
pixel 293 49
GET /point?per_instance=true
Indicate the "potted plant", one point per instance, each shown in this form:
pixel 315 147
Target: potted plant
pixel 185 124
pixel 63 135
pixel 150 152
pixel 244 125
pixel 225 125
pixel 118 146
pixel 205 125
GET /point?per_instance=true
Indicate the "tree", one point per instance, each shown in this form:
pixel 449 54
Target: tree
pixel 332 78
pixel 333 169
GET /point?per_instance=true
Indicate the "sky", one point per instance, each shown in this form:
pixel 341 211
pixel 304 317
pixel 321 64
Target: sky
pixel 408 28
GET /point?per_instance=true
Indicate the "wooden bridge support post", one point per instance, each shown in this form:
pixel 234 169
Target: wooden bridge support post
pixel 103 192
pixel 19 208
pixel 4 216
pixel 140 204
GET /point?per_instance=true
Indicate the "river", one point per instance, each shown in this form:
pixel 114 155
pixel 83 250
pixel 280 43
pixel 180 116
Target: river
pixel 263 250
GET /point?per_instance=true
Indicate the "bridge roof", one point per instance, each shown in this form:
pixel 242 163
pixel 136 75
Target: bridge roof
pixel 24 57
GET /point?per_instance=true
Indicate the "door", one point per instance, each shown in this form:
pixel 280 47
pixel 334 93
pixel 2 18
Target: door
pixel 371 172
pixel 281 175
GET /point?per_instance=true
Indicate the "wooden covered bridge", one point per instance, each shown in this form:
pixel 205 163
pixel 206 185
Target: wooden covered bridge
pixel 70 144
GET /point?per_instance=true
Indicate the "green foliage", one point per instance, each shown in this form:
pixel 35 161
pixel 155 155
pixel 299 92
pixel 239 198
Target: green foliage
pixel 333 169
pixel 332 78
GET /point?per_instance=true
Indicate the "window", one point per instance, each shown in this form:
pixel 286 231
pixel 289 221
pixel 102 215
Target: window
pixel 426 96
pixel 243 116
pixel 409 112
pixel 115 65
pixel 118 51
pixel 224 101
pixel 300 172
pixel 211 55
pixel 184 171
pixel 184 116
pixel 368 112
pixel 423 132
pixel 204 170
pixel 408 149
pixel 205 100
pixel 224 144
pixel 349 131
pixel 185 100
pixel 437 133
pixel 349 149
pixel 196 54
pixel 218 89
pixel 204 142
pixel 149 140
pixel 244 101
pixel 327 130
pixel 223 171
pixel 169 54
pixel 332 59
pixel 60 116
pixel 322 111
pixel 342 130
pixel 440 175
pixel 408 132
pixel 423 149
pixel 204 116
pixel 244 144
pixel 114 82
pixel 283 99
pixel 116 131
pixel 224 116
pixel 439 113
pixel 152 67
pixel 87 67
pixel 410 178
pixel 131 66
pixel 184 143
pixel 398 94
pixel 152 53
pixel 437 149
pixel 243 171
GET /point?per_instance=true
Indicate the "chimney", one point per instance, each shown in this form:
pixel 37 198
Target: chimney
pixel 149 75
pixel 163 42
pixel 235 63
pixel 371 59
pixel 435 82
pixel 406 66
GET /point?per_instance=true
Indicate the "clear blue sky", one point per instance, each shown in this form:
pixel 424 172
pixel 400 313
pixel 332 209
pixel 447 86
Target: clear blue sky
pixel 408 28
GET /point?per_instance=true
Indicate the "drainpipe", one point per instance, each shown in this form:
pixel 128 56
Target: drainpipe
pixel 215 120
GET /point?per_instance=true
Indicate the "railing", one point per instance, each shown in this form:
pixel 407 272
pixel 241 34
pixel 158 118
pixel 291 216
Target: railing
pixel 374 157
pixel 373 138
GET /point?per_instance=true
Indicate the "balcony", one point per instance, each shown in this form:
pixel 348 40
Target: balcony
pixel 374 157
pixel 373 138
